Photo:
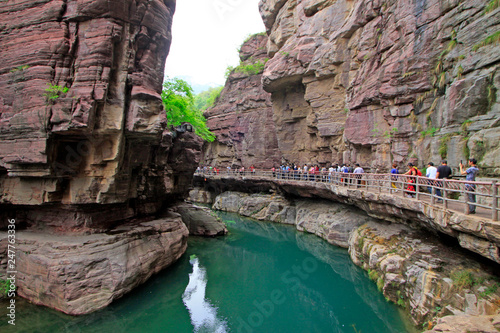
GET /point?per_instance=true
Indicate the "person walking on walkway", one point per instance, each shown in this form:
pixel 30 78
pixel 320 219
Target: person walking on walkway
pixel 358 173
pixel 443 172
pixel 431 173
pixel 394 177
pixel 471 174
pixel 412 172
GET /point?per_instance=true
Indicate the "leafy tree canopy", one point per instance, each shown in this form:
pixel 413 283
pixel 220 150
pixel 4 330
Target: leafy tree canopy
pixel 178 99
pixel 206 99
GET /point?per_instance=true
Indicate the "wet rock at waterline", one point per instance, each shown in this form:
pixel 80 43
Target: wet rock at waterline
pixel 414 270
pixel 333 222
pixel 258 206
pixel 200 220
pixel 83 273
pixel 467 324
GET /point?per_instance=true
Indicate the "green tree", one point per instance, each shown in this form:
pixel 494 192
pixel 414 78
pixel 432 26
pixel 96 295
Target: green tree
pixel 178 99
pixel 207 98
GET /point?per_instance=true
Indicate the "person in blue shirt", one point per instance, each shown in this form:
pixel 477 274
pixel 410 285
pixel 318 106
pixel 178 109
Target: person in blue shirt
pixel 394 178
pixel 471 174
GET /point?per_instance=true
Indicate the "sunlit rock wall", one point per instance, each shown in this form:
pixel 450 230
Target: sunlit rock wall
pixel 375 82
pixel 100 152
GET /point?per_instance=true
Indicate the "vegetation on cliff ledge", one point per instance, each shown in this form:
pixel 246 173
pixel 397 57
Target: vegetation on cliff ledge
pixel 178 99
pixel 207 98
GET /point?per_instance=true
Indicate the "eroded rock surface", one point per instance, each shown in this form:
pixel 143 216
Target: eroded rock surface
pixel 85 148
pixel 376 82
pixel 467 324
pixel 100 136
pixel 83 273
pixel 242 117
pixel 420 274
pixel 200 221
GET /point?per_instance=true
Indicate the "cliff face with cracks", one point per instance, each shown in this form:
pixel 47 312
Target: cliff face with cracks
pixel 376 82
pixel 242 117
pixel 99 139
pixel 85 148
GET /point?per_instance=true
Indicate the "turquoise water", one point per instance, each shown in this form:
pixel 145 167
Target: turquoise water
pixel 262 277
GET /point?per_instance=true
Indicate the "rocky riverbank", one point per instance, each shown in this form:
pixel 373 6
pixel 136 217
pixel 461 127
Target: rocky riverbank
pixel 79 274
pixel 411 267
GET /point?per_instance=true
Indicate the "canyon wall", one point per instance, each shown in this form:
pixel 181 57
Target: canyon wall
pixel 83 136
pixel 88 163
pixel 375 82
pixel 242 117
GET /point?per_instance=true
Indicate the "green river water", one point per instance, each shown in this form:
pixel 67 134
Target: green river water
pixel 262 277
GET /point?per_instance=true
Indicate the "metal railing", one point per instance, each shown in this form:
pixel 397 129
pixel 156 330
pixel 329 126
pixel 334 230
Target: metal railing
pixel 439 192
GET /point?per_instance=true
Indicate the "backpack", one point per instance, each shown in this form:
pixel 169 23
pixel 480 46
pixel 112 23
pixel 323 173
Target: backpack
pixel 419 173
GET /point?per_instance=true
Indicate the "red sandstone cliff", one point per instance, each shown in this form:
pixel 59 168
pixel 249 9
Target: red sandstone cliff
pixel 242 117
pixel 92 155
pixel 376 82
pixel 104 143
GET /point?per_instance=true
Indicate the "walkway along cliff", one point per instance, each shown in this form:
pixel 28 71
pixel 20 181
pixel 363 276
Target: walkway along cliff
pixel 409 247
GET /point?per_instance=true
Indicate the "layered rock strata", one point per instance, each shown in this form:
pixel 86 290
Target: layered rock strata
pixel 82 126
pixel 412 268
pixel 200 221
pixel 78 274
pixel 423 276
pixel 375 82
pixel 85 148
pixel 242 117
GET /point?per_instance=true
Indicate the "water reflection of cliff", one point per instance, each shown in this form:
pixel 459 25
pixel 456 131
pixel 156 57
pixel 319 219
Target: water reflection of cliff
pixel 311 290
pixel 203 314
pixel 338 259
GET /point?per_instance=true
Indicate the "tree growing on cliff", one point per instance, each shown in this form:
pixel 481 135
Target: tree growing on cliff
pixel 178 99
pixel 207 98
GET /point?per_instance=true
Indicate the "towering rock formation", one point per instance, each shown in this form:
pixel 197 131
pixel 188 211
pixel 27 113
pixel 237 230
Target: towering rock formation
pixel 84 148
pixel 242 117
pixel 376 82
pixel 94 149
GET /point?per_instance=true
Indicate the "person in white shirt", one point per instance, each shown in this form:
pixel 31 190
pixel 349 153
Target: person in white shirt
pixel 358 171
pixel 431 173
pixel 331 170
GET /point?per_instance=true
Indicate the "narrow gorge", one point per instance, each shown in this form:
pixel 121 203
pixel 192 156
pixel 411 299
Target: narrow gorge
pixel 99 187
pixel 374 83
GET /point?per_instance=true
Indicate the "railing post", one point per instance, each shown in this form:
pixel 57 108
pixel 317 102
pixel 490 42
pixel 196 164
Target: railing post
pixel 494 202
pixel 445 202
pixel 402 184
pixel 466 200
pixel 417 192
pixel 433 194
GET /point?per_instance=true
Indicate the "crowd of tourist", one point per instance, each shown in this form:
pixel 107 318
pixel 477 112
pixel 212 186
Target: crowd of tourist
pixel 314 172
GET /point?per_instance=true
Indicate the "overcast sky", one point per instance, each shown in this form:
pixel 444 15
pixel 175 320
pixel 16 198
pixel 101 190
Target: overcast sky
pixel 206 35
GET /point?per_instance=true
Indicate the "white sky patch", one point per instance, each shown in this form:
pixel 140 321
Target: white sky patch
pixel 206 35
